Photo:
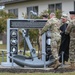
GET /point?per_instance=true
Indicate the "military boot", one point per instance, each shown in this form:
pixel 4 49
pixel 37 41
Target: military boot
pixel 57 64
pixel 72 65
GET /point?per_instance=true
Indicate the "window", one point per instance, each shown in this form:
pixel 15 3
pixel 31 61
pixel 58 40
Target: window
pixel 54 7
pixel 34 9
pixel 14 11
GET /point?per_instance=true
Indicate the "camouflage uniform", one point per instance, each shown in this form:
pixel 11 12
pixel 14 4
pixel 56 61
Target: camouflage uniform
pixel 71 30
pixel 53 25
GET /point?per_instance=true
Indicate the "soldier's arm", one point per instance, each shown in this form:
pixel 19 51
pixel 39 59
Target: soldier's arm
pixel 69 27
pixel 45 28
pixel 60 26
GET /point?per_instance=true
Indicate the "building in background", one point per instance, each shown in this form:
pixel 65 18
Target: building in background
pixel 18 7
pixel 25 6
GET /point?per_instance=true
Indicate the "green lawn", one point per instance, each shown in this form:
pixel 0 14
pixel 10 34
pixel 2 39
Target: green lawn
pixel 2 46
pixel 71 73
pixel 4 59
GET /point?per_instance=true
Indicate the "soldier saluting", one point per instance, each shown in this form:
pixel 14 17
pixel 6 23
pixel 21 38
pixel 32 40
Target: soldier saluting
pixel 71 30
pixel 53 25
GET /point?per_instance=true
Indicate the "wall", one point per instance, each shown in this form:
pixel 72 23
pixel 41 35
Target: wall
pixel 67 5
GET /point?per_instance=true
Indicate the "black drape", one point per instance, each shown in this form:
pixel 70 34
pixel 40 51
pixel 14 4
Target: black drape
pixel 64 46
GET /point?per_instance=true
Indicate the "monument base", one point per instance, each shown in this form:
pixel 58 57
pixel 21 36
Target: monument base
pixel 8 64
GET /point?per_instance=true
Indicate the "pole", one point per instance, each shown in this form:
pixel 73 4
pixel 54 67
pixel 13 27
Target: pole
pixel 62 58
pixel 12 59
pixel 2 56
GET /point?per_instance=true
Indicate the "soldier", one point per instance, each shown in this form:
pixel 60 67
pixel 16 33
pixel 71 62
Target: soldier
pixel 65 39
pixel 71 30
pixel 53 25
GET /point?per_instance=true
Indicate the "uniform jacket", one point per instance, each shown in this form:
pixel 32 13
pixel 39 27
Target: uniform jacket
pixel 53 25
pixel 71 29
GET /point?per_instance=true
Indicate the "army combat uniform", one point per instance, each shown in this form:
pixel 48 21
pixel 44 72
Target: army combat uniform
pixel 71 30
pixel 53 25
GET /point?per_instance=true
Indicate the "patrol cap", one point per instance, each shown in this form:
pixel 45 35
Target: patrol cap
pixel 64 16
pixel 72 12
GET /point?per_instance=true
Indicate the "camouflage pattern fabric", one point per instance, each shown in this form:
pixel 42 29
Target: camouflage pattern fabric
pixel 53 25
pixel 71 30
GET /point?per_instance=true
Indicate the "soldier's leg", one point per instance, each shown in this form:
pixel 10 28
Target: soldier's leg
pixel 55 53
pixel 54 49
pixel 72 55
pixel 72 51
pixel 58 44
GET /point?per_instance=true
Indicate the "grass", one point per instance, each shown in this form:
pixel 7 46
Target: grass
pixel 4 59
pixel 2 46
pixel 70 73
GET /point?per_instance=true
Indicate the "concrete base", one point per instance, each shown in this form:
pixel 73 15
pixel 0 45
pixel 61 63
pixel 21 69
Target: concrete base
pixel 8 64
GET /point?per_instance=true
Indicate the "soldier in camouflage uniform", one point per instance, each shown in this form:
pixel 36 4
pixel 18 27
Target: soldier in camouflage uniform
pixel 53 25
pixel 71 30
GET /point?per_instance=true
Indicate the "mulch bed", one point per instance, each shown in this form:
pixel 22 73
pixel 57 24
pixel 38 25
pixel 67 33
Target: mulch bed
pixel 19 70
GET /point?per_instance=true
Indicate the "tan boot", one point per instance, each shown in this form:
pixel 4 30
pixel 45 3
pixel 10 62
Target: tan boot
pixel 72 66
pixel 57 64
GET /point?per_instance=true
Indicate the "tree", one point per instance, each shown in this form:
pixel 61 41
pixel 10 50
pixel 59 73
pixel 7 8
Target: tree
pixel 3 20
pixel 45 12
pixel 34 34
pixel 58 14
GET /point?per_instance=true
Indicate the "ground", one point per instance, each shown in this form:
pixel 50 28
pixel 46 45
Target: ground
pixel 34 70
